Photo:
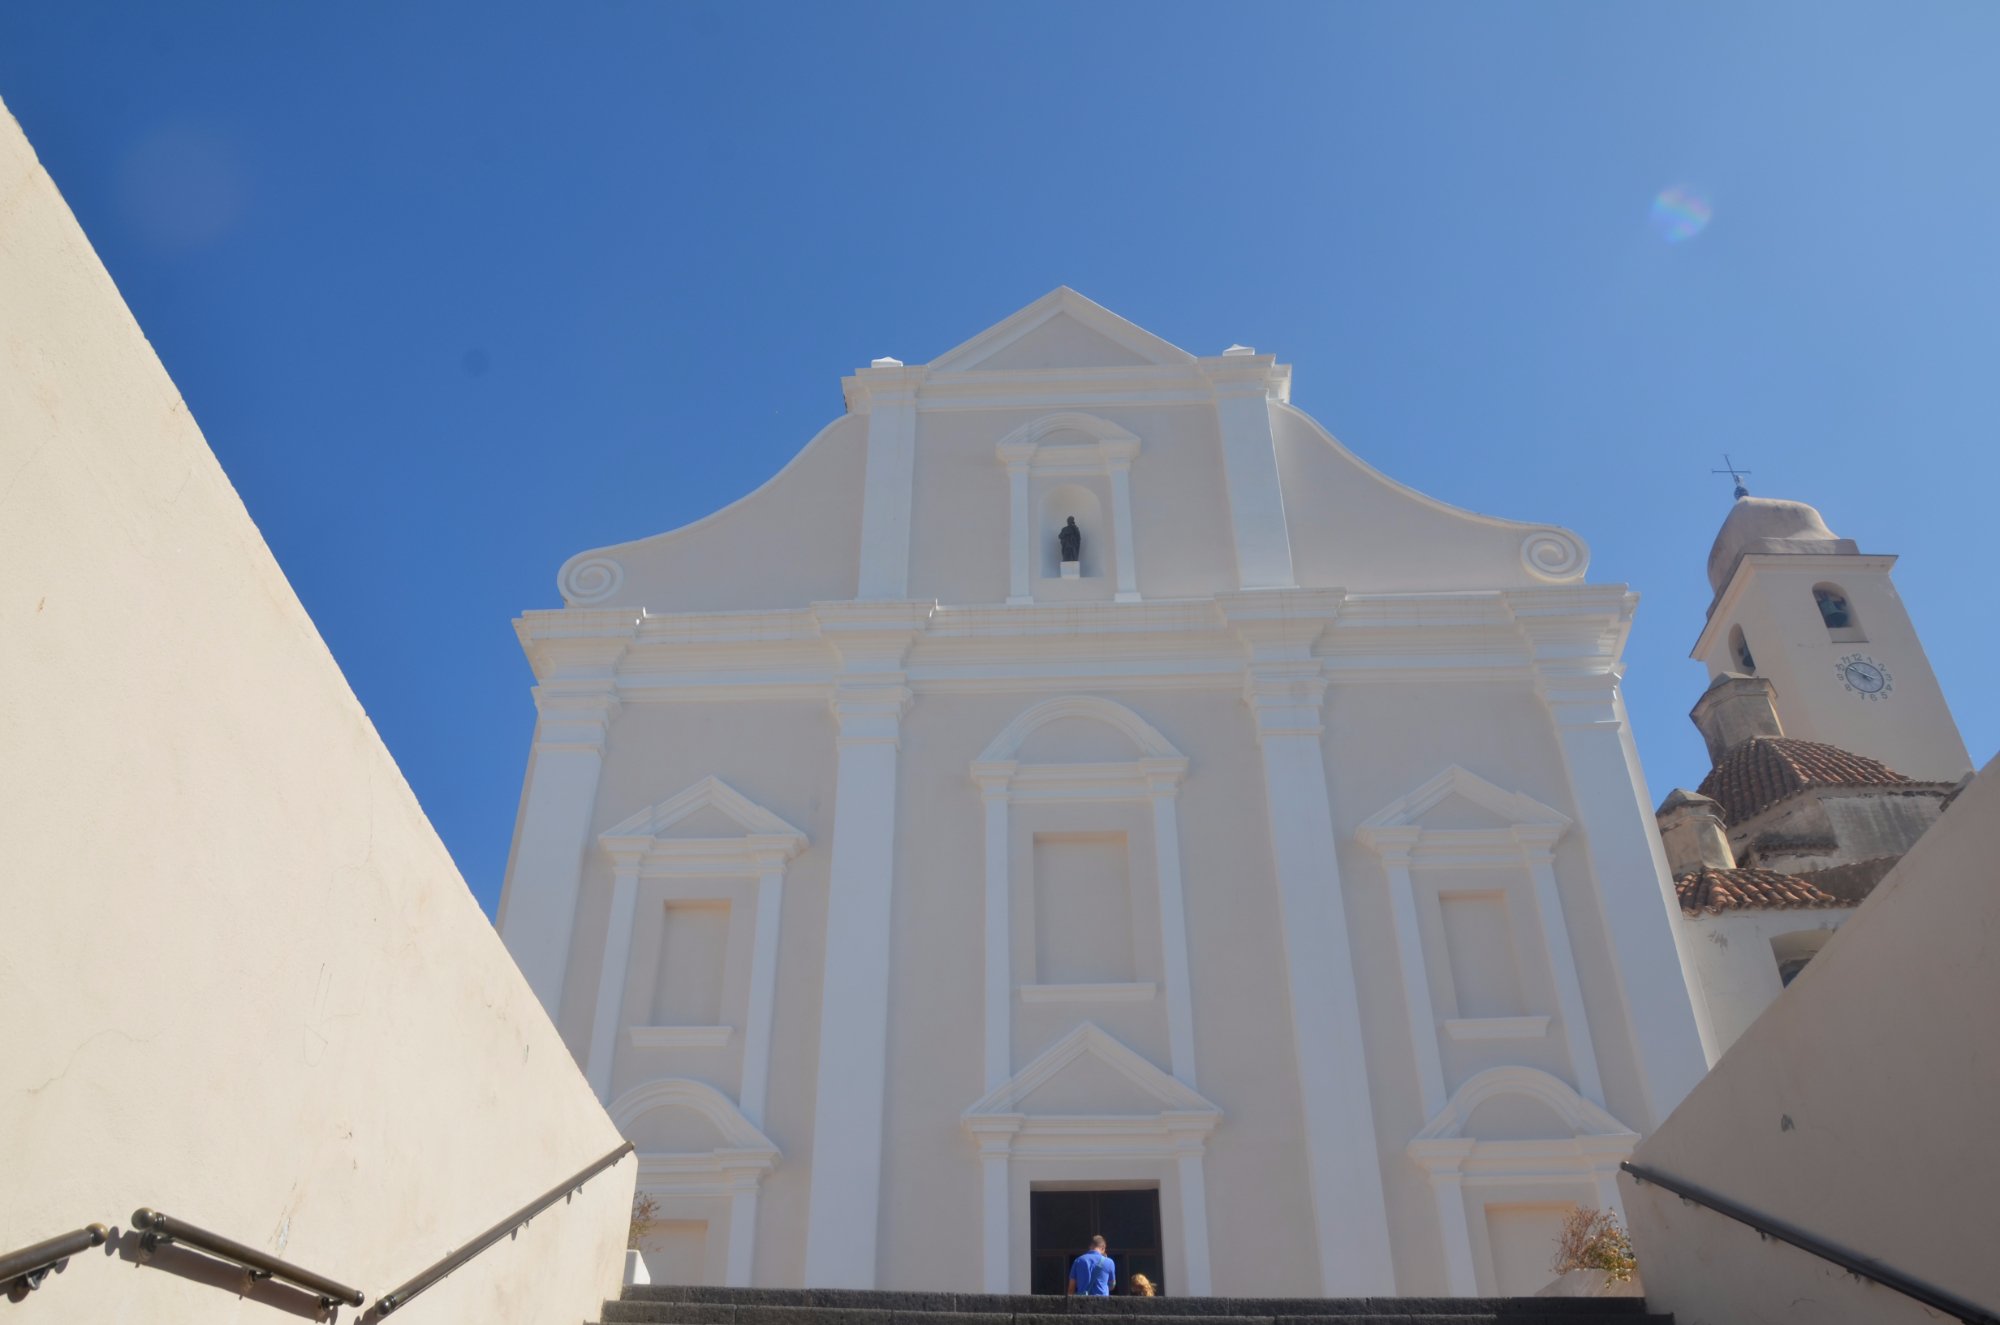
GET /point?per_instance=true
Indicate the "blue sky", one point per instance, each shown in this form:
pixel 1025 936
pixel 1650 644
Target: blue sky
pixel 458 289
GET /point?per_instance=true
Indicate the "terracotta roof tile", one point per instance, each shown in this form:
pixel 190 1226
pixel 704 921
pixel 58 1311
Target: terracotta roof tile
pixel 1712 891
pixel 1763 770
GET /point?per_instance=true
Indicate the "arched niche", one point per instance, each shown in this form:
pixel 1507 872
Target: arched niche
pixel 1063 464
pixel 1739 652
pixel 1836 612
pixel 1060 503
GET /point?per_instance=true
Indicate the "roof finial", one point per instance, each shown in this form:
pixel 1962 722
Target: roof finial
pixel 1735 473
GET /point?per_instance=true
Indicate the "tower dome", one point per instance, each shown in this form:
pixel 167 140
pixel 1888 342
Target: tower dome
pixel 1768 524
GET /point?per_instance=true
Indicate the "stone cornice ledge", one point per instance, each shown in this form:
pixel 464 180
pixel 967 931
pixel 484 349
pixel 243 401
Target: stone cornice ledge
pixel 1560 634
pixel 1247 375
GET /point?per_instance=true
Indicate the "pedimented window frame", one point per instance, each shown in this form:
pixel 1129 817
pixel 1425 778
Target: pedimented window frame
pixel 1153 779
pixel 1526 840
pixel 698 1184
pixel 1169 1142
pixel 642 847
pixel 1467 1174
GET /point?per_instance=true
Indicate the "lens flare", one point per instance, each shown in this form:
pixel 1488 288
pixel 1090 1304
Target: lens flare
pixel 1679 214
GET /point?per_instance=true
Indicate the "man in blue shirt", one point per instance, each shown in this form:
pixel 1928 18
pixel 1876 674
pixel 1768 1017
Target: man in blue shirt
pixel 1092 1274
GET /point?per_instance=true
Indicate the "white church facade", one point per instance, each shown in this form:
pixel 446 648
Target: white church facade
pixel 1270 885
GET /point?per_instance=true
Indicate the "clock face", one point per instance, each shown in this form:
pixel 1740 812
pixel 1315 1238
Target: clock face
pixel 1863 675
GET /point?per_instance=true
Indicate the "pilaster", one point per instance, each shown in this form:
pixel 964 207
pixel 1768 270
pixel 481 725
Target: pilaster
pixel 612 975
pixel 1577 673
pixel 1538 849
pixel 999 983
pixel 575 702
pixel 1165 788
pixel 870 694
pixel 1018 457
pixel 1461 1277
pixel 887 394
pixel 1189 1146
pixel 1118 458
pixel 1395 845
pixel 1285 687
pixel 763 994
pixel 995 1138
pixel 1244 386
pixel 742 1232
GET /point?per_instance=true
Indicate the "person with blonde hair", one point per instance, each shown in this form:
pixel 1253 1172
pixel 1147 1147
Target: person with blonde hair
pixel 1138 1286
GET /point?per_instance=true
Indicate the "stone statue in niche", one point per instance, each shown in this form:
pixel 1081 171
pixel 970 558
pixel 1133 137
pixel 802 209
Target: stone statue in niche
pixel 1070 539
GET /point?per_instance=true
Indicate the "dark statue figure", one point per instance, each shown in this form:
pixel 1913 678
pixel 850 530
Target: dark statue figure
pixel 1070 538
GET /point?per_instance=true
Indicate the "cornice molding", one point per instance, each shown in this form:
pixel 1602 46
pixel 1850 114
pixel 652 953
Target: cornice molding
pixel 1563 639
pixel 1247 375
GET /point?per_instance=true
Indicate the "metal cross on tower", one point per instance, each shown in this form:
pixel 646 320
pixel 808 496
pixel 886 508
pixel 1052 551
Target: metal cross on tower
pixel 1735 473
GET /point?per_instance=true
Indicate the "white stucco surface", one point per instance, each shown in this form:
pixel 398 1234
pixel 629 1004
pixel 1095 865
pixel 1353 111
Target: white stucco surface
pixel 1768 559
pixel 243 982
pixel 1858 1107
pixel 1339 774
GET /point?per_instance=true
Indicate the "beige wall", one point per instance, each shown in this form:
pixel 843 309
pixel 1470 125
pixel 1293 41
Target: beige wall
pixel 1859 1107
pixel 243 981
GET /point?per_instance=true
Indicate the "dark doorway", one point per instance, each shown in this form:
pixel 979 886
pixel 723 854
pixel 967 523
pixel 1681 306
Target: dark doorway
pixel 1061 1223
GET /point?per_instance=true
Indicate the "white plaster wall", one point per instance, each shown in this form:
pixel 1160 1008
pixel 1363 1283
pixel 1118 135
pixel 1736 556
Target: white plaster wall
pixel 779 755
pixel 1384 740
pixel 245 983
pixel 1858 1107
pixel 1353 527
pixel 1910 728
pixel 1177 668
pixel 1260 1216
pixel 1735 965
pixel 959 531
pixel 793 541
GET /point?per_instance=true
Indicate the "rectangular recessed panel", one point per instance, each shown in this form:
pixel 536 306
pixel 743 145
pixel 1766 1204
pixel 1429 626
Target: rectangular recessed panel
pixel 1083 909
pixel 1522 1239
pixel 676 1251
pixel 693 944
pixel 1481 946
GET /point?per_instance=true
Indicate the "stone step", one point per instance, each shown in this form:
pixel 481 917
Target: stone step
pixel 1527 1311
pixel 641 1307
pixel 718 1306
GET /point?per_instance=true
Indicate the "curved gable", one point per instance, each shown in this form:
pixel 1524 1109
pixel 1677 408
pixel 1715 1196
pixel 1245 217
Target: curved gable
pixel 796 540
pixel 1353 527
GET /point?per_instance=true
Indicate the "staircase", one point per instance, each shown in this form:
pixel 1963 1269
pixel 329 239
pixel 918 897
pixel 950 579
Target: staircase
pixel 657 1304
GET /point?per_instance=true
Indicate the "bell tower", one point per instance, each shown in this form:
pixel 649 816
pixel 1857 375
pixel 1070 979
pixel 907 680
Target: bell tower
pixel 1822 622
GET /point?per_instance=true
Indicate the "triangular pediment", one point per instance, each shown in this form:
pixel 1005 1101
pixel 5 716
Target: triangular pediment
pixel 1089 1073
pixel 1571 1113
pixel 1461 813
pixel 709 810
pixel 1061 330
pixel 1458 801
